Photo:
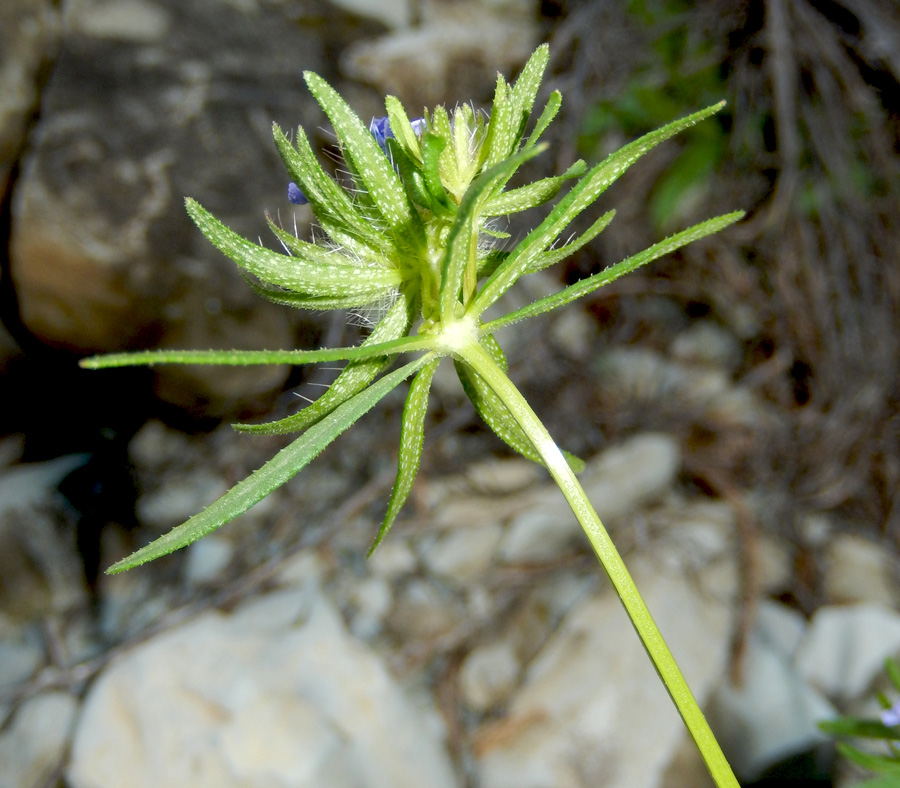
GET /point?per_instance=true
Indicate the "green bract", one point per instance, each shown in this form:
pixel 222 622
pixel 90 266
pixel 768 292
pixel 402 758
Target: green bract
pixel 414 232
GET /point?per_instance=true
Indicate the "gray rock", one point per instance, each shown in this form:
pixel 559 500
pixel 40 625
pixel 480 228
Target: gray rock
pixel 447 58
pixel 19 659
pixel 33 746
pixel 150 101
pixel 463 553
pixel 393 13
pixel 592 710
pixel 488 674
pixel 772 713
pixel 845 647
pixel 207 559
pixel 617 482
pixel 858 570
pixel 645 375
pixel 706 342
pixel 39 563
pixel 276 694
pixel 29 35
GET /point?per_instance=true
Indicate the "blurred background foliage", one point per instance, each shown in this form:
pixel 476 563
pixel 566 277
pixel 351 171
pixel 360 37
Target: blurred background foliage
pixel 810 282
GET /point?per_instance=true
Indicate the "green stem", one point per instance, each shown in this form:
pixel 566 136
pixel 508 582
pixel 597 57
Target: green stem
pixel 643 622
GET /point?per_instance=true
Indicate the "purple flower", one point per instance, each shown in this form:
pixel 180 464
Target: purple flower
pixel 891 716
pixel 295 195
pixel 381 131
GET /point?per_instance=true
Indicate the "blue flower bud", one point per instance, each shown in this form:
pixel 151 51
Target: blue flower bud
pixel 381 131
pixel 295 195
pixel 891 716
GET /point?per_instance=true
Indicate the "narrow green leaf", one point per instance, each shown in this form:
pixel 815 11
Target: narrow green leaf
pixel 489 262
pixel 590 284
pixel 497 416
pixel 432 147
pixel 318 273
pixel 368 160
pixel 412 436
pixel 317 253
pixel 333 207
pixel 882 781
pixel 463 121
pixel 299 301
pixel 525 90
pixel 868 760
pixel 502 126
pixel 353 378
pixel 585 192
pixel 282 467
pixel 440 126
pixel 243 358
pixel 546 259
pixel 404 133
pixel 533 194
pixel 462 243
pixel 410 174
pixel 549 113
pixel 892 669
pixel 861 727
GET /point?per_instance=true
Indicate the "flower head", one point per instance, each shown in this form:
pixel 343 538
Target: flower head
pixel 411 229
pixel 891 716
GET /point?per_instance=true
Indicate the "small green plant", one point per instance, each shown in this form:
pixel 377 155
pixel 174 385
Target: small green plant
pixel 414 231
pixel 886 730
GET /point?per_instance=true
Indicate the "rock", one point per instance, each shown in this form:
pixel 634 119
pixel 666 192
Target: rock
pixel 39 562
pixel 573 332
pixel 393 558
pixel 393 13
pixel 488 674
pixel 446 58
pixel 19 659
pixel 706 342
pixel 463 553
pixel 772 714
pixel 33 746
pixel 180 499
pixel 617 482
pixel 591 710
pixel 503 476
pixel 207 559
pixel 857 570
pixel 276 694
pixel 845 647
pixel 645 375
pixel 372 599
pixel 151 100
pixel 424 611
pixel 29 35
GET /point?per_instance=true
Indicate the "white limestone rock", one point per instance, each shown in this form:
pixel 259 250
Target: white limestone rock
pixel 592 710
pixel 488 674
pixel 844 648
pixel 617 482
pixel 858 570
pixel 34 744
pixel 276 694
pixel 772 713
